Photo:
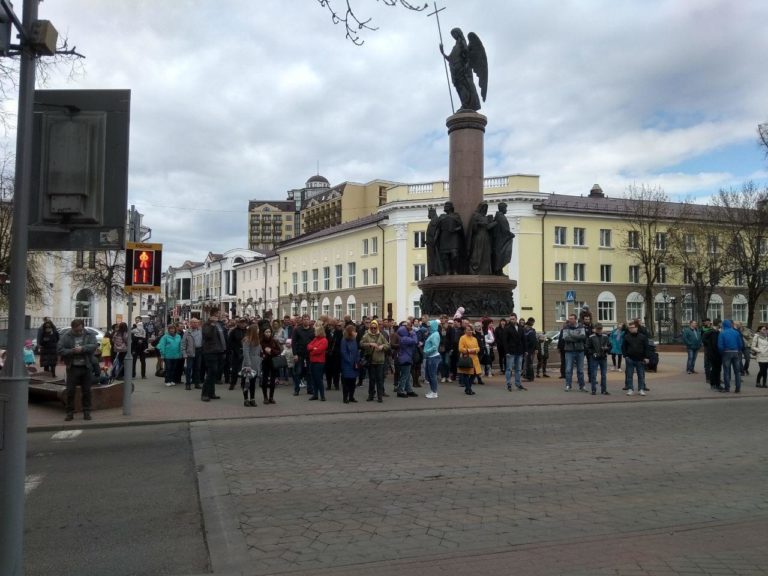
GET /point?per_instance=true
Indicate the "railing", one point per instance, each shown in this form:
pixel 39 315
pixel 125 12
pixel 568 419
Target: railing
pixel 420 189
pixel 58 321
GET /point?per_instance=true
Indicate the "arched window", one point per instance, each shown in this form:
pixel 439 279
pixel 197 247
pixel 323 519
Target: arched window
pixel 337 311
pixel 739 308
pixel 351 307
pixel 635 306
pixel 606 308
pixel 715 307
pixel 83 305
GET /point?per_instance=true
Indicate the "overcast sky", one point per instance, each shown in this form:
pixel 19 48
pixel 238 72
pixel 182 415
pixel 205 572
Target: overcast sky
pixel 241 99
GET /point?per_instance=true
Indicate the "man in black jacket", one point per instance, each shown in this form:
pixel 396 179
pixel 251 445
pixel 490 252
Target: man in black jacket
pixel 214 348
pixel 235 349
pixel 514 344
pixel 635 348
pixel 302 335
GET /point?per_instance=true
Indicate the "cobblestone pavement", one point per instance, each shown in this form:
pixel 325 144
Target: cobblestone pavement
pixel 633 488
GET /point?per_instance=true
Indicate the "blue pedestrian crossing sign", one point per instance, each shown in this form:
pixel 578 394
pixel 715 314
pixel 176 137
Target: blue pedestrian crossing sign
pixel 570 295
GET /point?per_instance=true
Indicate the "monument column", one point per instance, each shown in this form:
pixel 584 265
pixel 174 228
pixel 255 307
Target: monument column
pixel 466 132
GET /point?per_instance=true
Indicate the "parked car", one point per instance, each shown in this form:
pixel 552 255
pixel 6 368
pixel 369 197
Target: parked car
pixel 95 331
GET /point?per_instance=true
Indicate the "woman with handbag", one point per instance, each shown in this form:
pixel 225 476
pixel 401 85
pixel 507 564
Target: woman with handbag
pixel 468 364
pixel 759 351
pixel 251 365
pixel 316 349
pixel 270 349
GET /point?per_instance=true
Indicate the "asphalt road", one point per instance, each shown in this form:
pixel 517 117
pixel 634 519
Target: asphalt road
pixel 117 502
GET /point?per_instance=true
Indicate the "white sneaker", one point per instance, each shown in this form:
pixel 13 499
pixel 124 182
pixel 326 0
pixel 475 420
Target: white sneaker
pixel 629 392
pixel 434 395
pixel 642 392
pixel 429 395
pixel 169 384
pixel 443 380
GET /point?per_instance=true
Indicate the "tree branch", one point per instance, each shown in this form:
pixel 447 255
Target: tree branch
pixel 353 24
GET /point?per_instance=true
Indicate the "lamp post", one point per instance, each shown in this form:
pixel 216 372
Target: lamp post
pixel 665 297
pixel 672 301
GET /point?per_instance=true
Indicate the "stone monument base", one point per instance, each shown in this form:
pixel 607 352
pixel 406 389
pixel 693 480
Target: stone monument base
pixel 478 295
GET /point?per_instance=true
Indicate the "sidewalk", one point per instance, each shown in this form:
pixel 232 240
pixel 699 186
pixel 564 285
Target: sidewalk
pixel 153 402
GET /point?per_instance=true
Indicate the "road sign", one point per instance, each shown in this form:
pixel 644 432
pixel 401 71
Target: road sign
pixel 570 295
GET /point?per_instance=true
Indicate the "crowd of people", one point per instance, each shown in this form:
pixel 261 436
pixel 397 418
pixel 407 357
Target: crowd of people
pixel 338 354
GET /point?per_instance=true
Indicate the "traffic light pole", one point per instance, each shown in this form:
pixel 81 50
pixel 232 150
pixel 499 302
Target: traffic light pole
pixel 14 383
pixel 134 234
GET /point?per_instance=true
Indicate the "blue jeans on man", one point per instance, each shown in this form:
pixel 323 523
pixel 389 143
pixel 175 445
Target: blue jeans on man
pixel 631 366
pixel 602 365
pixel 574 358
pixel 691 364
pixel 514 362
pixel 404 385
pixel 731 359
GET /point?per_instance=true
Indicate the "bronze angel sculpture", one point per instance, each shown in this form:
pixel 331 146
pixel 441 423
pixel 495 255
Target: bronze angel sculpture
pixel 463 60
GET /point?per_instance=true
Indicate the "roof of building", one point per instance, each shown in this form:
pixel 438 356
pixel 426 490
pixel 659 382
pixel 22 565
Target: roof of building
pixel 598 203
pixel 282 205
pixel 317 178
pixel 351 225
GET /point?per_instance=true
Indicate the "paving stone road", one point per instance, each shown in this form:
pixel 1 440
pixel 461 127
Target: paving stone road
pixel 657 488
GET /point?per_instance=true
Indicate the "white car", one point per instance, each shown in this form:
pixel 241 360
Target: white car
pixel 95 331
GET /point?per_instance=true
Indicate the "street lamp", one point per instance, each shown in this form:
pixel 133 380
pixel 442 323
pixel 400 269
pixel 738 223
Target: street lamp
pixel 665 297
pixel 673 300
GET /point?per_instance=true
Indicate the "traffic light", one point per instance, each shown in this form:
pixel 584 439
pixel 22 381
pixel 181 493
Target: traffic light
pixel 143 267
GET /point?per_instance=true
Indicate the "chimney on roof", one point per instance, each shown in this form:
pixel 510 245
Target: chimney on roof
pixel 596 192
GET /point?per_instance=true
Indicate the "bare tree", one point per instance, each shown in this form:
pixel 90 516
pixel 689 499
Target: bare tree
pixel 649 215
pixel 762 132
pixel 37 287
pixel 354 24
pixel 744 212
pixel 103 273
pixel 700 247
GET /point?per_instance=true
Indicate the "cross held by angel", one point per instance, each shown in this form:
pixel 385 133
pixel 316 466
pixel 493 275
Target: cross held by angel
pixel 464 60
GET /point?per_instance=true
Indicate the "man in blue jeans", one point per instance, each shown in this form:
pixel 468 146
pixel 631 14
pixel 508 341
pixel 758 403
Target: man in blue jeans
pixel 514 344
pixel 635 348
pixel 692 341
pixel 730 344
pixel 574 342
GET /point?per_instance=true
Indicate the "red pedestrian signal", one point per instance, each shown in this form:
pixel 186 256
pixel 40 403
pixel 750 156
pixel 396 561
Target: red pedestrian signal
pixel 143 267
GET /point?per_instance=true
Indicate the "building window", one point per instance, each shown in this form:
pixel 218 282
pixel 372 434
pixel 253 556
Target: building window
pixel 326 309
pixel 763 313
pixel 605 273
pixel 634 310
pixel 326 278
pixel 339 276
pixel 579 236
pixel 351 268
pixel 304 281
pixel 374 276
pixel 365 249
pixel 661 274
pixel 351 310
pixel 633 239
pixel 606 311
pixel 715 309
pixel 560 235
pixel 315 280
pixel 365 281
pixel 364 309
pixel 688 275
pixel 740 312
pixel 605 238
pixel 419 272
pixel 285 263
pixel 337 310
pixel 374 245
pixel 690 243
pixel 374 309
pixel 560 307
pixel 738 278
pixel 416 309
pixel 634 274
pixel 661 240
pixel 419 239
pixel 295 282
pixel 579 272
pixel 712 244
pixel 560 271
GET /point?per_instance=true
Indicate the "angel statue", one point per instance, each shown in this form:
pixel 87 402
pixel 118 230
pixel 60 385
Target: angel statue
pixel 463 61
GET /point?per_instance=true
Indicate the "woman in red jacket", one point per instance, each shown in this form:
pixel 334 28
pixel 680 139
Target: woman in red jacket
pixel 316 350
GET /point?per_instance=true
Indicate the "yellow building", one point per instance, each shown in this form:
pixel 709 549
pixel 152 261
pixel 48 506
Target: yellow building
pixel 271 222
pixel 325 207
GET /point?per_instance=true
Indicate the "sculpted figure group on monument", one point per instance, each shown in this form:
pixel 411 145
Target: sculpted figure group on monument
pixel 484 248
